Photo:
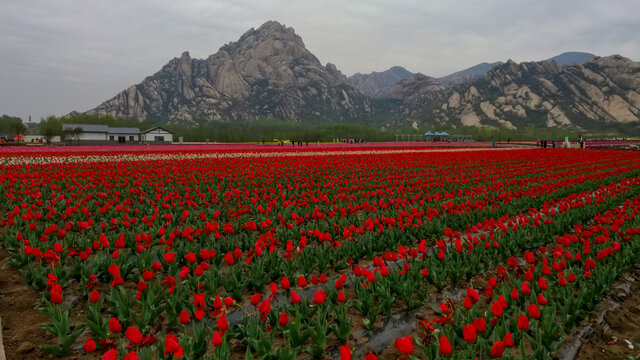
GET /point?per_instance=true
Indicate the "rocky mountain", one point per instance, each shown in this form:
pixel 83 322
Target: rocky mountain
pixel 268 72
pixel 604 91
pixel 416 89
pixel 568 58
pixel 377 84
pixel 468 75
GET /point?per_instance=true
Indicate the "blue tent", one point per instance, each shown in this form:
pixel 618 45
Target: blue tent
pixel 429 133
pixel 444 133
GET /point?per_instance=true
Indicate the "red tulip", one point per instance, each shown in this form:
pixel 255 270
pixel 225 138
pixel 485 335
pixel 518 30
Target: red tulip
pixel 404 345
pixel 508 340
pixel 228 258
pixel 265 307
pixel 480 324
pixel 172 346
pixel 132 355
pixel 533 311
pixel 94 296
pixel 110 355
pixel 469 333
pixel 217 302
pixel 295 299
pixel 341 297
pixel 114 325
pixel 198 300
pixel 223 325
pixel 134 335
pixel 514 293
pixel 523 322
pixel 496 309
pixel 89 345
pixel 445 346
pixel 169 257
pixel 228 301
pixel 497 349
pixel 217 339
pixel 284 283
pixel 199 314
pixel 302 282
pixel 371 356
pixel 319 297
pixel 542 283
pixel 283 320
pixel 190 257
pixel 56 297
pixel 562 281
pixel 345 352
pixel 184 317
pixel 541 299
pixel 468 303
pixel 255 299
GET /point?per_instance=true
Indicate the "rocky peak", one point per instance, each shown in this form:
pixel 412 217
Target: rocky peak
pixel 333 70
pixel 468 75
pixel 504 74
pixel 377 84
pixel 268 72
pixel 415 88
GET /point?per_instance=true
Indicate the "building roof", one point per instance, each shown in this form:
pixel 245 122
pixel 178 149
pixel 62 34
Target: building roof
pixel 99 128
pixel 155 128
pixel 123 130
pixel 96 128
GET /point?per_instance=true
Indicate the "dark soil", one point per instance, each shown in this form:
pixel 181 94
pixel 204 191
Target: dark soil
pixel 22 331
pixel 612 330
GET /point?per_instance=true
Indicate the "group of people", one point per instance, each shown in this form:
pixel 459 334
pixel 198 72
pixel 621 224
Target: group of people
pixel 543 144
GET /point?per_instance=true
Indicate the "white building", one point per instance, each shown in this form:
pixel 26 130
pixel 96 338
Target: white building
pixel 157 135
pixel 103 134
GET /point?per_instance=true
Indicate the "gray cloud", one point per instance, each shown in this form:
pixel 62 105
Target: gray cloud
pixel 59 56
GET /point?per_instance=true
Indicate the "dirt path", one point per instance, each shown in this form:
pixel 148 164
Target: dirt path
pixel 22 330
pixel 612 330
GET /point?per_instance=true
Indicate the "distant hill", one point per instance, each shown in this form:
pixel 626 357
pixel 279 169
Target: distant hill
pixel 268 72
pixel 468 75
pixel 571 57
pixel 603 92
pixel 377 84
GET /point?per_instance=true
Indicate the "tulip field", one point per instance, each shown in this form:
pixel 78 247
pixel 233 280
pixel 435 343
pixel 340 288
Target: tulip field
pixel 317 253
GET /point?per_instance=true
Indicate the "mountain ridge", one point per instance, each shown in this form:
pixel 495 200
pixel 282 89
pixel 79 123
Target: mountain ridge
pixel 268 72
pixel 377 84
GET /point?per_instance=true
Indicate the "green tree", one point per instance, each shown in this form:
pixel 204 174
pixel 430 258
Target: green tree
pixel 11 125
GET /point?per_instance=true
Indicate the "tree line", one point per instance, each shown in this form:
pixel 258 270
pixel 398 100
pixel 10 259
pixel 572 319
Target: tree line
pixel 269 130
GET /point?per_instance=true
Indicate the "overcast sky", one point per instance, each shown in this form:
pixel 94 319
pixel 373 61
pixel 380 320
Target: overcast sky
pixel 62 55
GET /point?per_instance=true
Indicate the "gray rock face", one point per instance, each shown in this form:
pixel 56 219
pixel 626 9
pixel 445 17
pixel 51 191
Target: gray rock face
pixel 468 75
pixel 601 92
pixel 416 88
pixel 378 84
pixel 268 72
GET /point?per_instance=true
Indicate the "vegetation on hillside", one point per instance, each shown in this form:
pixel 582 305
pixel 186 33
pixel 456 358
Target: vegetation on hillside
pixel 269 130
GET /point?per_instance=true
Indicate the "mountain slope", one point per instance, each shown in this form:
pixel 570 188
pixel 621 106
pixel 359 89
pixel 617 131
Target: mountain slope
pixel 268 72
pixel 377 84
pixel 468 75
pixel 568 58
pixel 602 92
